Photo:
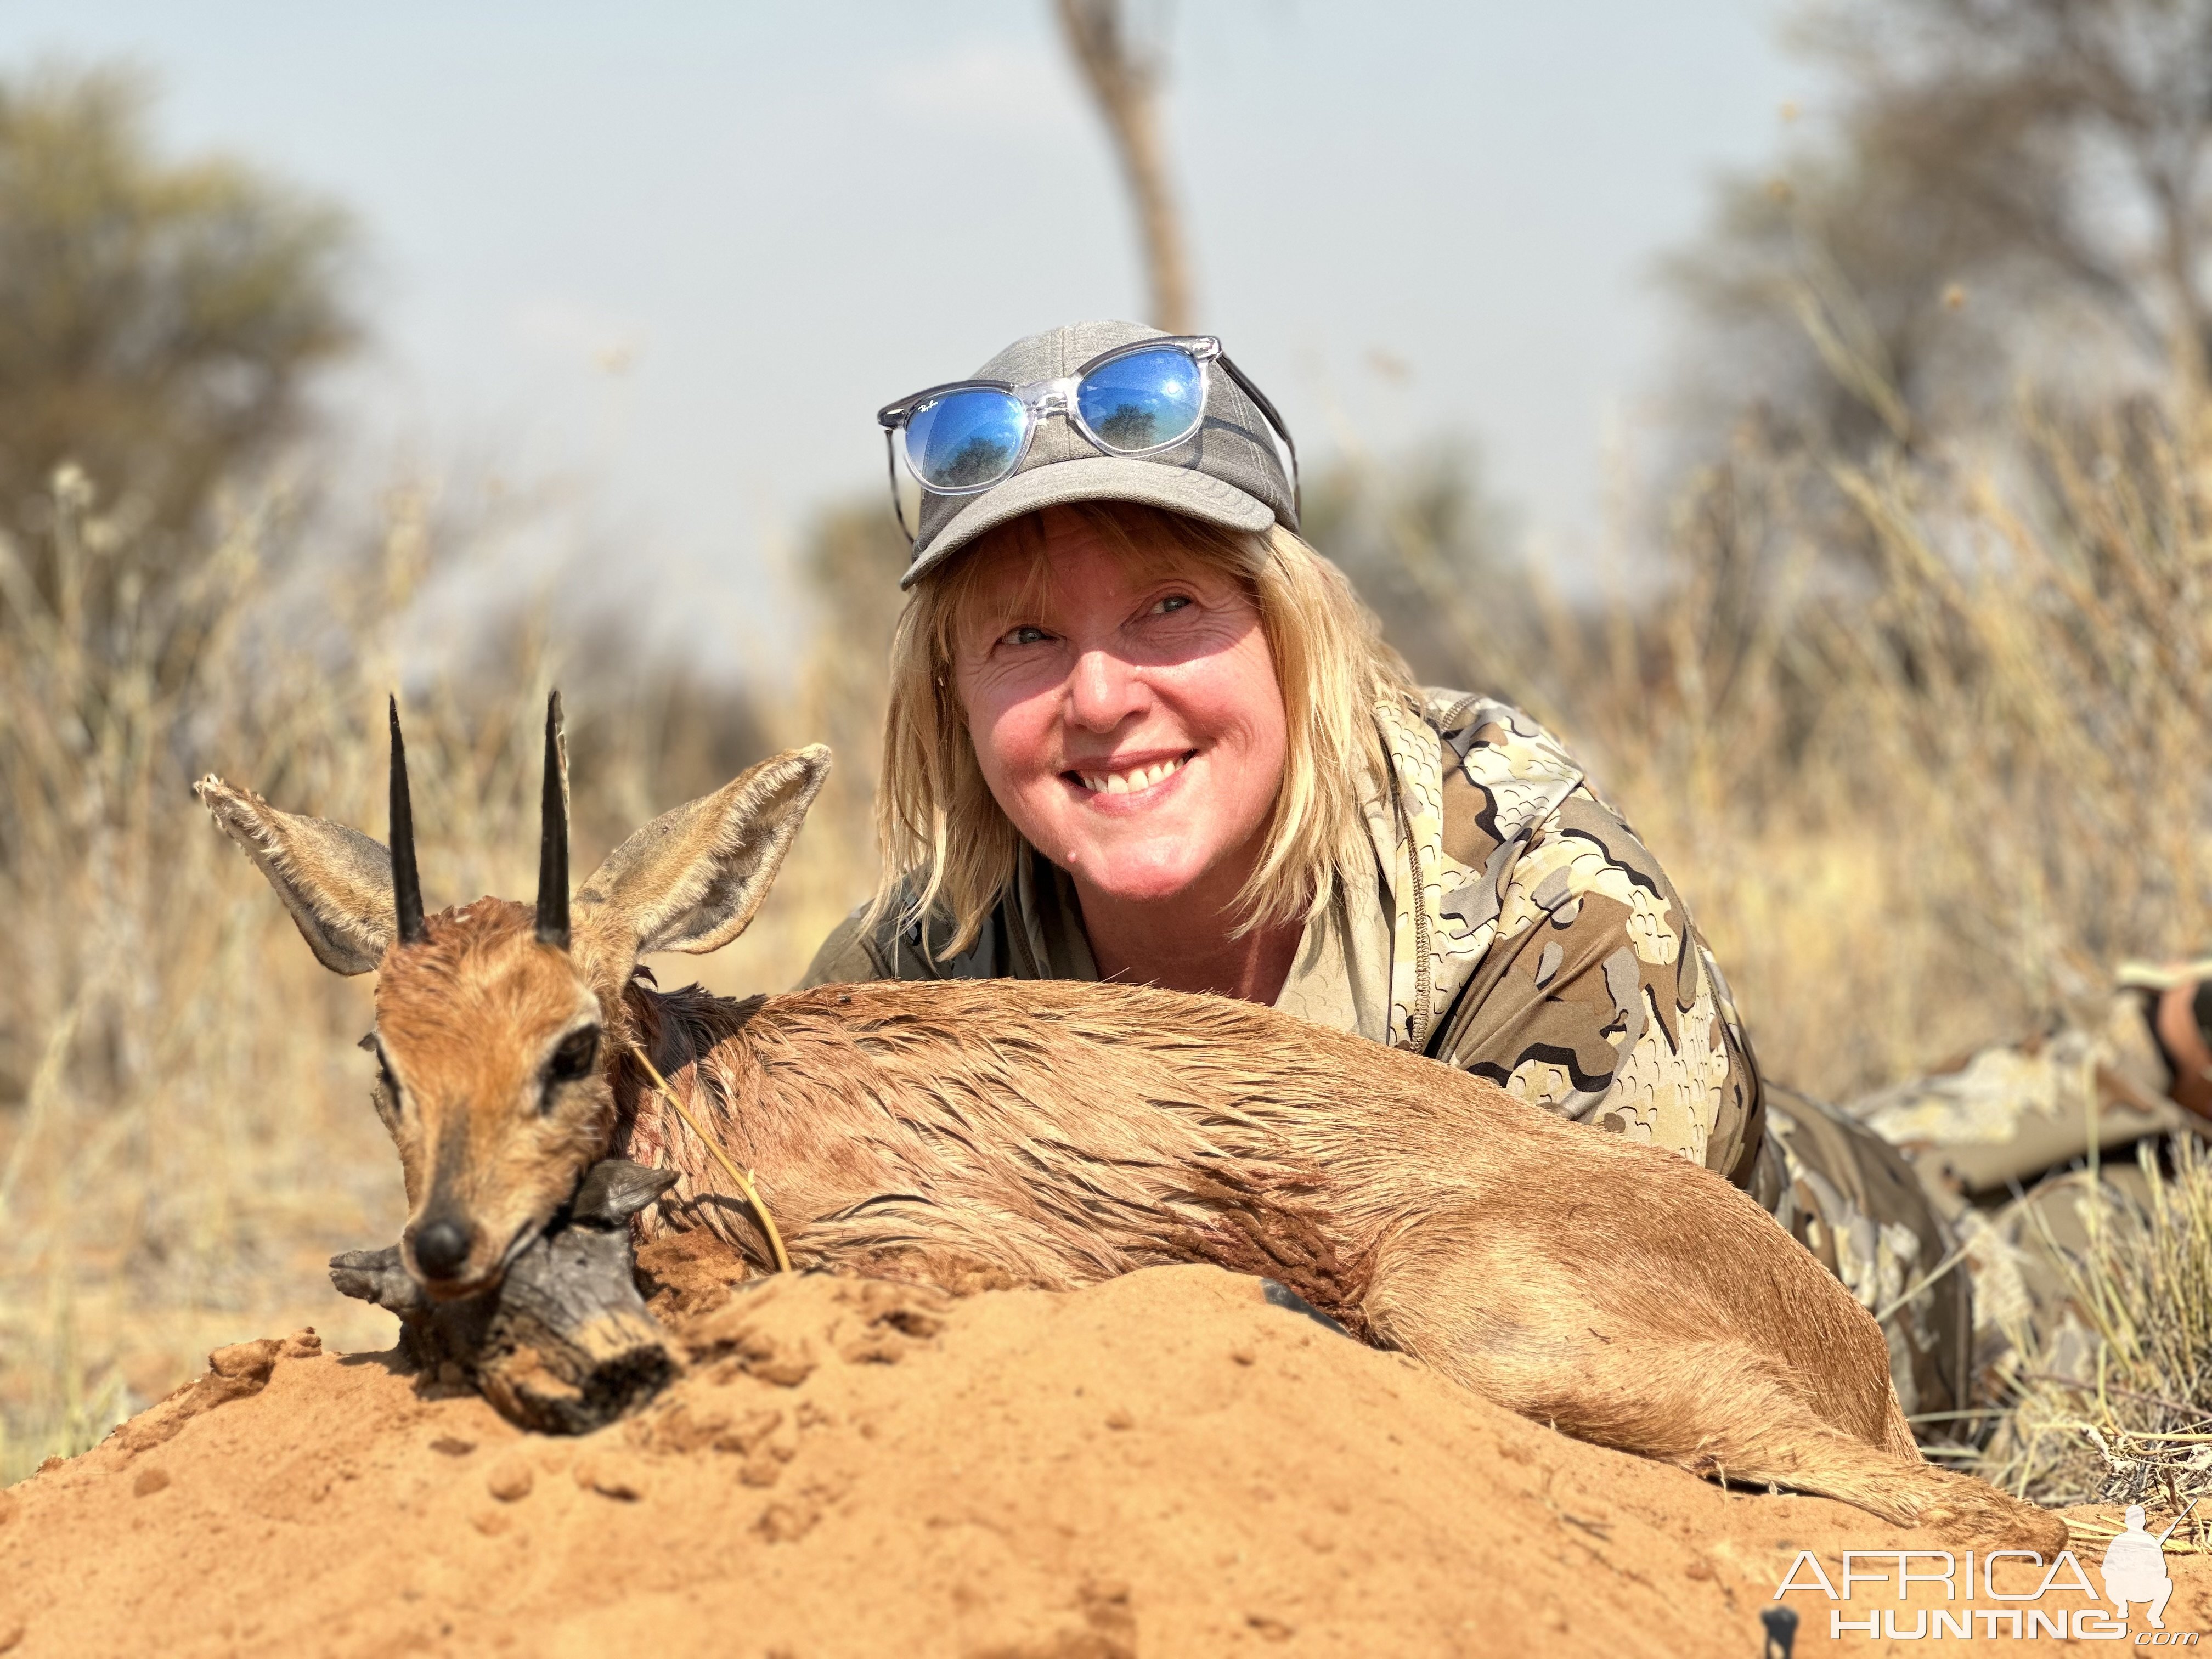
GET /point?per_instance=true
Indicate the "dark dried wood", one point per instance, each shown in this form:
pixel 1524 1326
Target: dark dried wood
pixel 564 1345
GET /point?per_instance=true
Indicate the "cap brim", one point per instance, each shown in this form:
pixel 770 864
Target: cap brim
pixel 1094 478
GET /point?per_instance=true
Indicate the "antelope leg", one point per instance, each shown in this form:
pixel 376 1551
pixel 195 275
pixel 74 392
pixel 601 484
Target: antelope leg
pixel 1796 1395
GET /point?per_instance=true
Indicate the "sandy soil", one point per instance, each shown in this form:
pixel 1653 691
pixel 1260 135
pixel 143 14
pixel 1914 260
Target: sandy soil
pixel 1165 1464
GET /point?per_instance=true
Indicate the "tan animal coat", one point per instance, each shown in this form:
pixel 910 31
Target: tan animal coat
pixel 1052 1134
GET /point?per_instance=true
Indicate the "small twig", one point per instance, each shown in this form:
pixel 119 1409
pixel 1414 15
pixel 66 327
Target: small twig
pixel 1945 1416
pixel 745 1182
pixel 2081 1387
pixel 1930 1278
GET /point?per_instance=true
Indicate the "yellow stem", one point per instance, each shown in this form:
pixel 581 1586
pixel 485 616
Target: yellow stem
pixel 745 1182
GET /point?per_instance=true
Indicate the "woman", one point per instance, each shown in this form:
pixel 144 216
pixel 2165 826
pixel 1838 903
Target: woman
pixel 1139 730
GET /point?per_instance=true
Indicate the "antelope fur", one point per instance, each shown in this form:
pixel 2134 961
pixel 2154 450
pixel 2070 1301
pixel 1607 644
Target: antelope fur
pixel 1055 1134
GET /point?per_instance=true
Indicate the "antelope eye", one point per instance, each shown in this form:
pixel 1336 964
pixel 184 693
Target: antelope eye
pixel 573 1060
pixel 384 1074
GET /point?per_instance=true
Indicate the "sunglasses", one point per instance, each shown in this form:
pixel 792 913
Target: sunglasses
pixel 964 437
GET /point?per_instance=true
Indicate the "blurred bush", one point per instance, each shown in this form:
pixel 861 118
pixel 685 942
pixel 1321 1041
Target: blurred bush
pixel 1430 550
pixel 1988 191
pixel 183 1131
pixel 185 1135
pixel 159 321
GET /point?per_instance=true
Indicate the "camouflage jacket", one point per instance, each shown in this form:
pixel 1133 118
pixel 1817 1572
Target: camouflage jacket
pixel 2007 1114
pixel 2003 1118
pixel 1514 928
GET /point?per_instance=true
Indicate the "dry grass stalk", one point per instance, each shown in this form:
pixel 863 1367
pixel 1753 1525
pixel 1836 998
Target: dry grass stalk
pixel 184 1131
pixel 2122 1417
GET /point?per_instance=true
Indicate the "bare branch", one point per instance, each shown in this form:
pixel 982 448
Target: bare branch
pixel 2011 189
pixel 1125 83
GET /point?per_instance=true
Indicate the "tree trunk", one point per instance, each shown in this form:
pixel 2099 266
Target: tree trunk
pixel 1124 83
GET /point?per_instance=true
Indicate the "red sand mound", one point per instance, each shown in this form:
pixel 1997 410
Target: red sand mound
pixel 1165 1464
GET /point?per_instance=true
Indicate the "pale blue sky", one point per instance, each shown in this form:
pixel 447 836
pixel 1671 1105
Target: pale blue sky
pixel 777 218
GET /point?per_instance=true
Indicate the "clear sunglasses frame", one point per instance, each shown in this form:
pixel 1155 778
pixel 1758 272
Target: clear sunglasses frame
pixel 1041 399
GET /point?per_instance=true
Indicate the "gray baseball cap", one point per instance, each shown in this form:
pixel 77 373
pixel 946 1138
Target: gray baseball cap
pixel 1228 473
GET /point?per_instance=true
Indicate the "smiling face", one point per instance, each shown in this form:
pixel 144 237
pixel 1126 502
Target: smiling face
pixel 1125 711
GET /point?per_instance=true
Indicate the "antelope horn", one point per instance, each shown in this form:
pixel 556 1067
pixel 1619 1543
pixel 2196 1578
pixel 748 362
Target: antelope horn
pixel 406 880
pixel 553 845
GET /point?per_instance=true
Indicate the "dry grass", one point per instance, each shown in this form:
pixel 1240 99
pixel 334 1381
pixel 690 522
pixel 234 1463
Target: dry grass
pixel 2114 1410
pixel 1926 796
pixel 1919 803
pixel 185 1132
pixel 1931 804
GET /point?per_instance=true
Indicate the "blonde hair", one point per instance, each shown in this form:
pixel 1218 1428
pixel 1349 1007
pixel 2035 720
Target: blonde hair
pixel 947 848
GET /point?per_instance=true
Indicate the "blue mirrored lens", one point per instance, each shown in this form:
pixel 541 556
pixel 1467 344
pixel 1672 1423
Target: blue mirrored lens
pixel 1142 401
pixel 965 439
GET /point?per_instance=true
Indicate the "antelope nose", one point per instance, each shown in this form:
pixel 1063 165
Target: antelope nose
pixel 441 1246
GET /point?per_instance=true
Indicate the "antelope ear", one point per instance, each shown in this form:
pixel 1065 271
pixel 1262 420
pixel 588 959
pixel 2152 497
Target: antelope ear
pixel 336 882
pixel 692 879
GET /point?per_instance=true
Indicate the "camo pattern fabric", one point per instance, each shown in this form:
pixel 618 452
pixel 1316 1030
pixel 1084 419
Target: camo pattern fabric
pixel 2005 1117
pixel 1853 1199
pixel 1537 942
pixel 2008 1112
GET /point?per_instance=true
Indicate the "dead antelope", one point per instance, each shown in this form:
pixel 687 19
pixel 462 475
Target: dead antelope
pixel 1055 1134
